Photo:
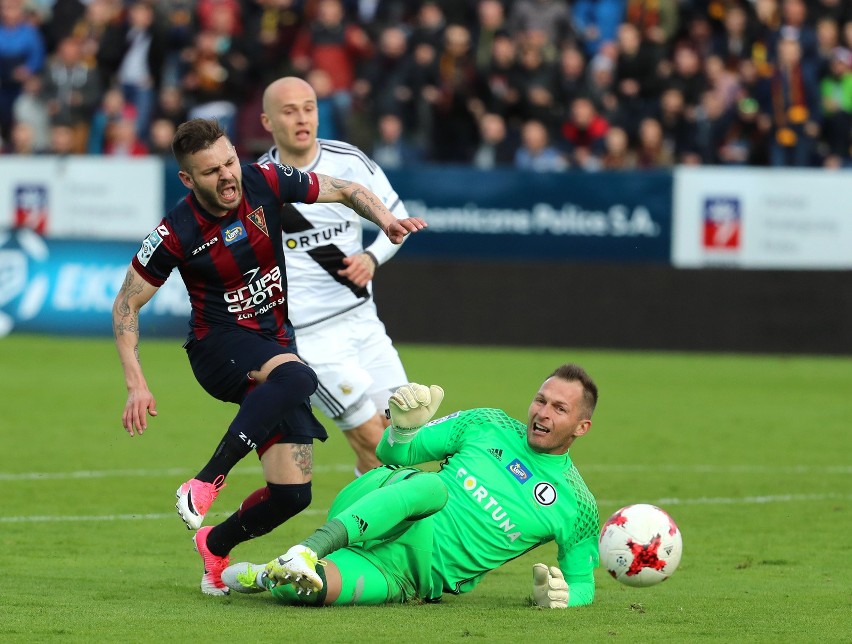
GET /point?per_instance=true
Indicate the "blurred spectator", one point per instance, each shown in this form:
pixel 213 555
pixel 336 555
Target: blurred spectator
pixel 836 92
pixel 71 90
pixel 794 20
pixel 122 139
pixel 334 45
pixel 60 23
pixel 429 25
pixel 790 98
pixel 733 44
pixel 380 85
pixel 23 140
pixel 113 108
pixel 140 69
pixel 711 123
pixel 583 134
pixel 22 55
pixel 492 21
pixel 61 138
pixel 652 150
pixel 30 109
pixel 743 142
pixel 545 21
pixel 454 133
pixel 160 135
pixel 600 87
pixel 331 125
pixel 536 154
pixel 421 84
pixel 721 81
pixel 272 25
pixel 170 105
pixel 570 81
pixel 496 147
pixel 617 152
pixel 499 83
pixel 657 20
pixel 678 127
pixel 637 83
pixel 596 22
pixel 215 78
pixel 828 39
pixel 536 84
pixel 688 74
pixel 390 150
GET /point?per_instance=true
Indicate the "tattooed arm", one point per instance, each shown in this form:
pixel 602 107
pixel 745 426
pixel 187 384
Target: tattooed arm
pixel 133 295
pixel 364 202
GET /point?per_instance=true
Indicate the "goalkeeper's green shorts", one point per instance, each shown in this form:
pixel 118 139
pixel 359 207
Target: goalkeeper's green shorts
pixel 403 557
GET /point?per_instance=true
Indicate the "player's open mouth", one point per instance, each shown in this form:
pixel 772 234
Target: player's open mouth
pixel 228 193
pixel 539 429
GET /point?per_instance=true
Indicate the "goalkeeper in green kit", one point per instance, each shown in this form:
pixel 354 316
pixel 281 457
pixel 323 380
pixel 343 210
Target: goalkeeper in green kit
pixel 505 487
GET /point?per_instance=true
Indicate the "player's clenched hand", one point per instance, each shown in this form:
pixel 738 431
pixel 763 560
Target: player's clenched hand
pixel 410 407
pixel 398 229
pixel 140 404
pixel 359 269
pixel 550 590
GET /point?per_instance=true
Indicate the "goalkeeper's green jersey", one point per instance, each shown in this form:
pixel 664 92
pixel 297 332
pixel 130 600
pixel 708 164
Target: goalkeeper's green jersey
pixel 504 500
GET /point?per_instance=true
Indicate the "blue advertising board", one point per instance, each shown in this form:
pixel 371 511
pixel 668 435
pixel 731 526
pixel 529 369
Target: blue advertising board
pixel 68 286
pixel 512 215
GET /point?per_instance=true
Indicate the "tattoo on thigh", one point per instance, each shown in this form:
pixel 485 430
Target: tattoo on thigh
pixel 303 455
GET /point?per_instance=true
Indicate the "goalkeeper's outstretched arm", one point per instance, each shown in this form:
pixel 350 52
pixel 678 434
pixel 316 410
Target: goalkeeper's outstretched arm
pixel 409 407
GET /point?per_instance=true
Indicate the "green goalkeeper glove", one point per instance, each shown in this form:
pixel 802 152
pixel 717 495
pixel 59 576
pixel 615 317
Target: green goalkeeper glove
pixel 550 590
pixel 410 407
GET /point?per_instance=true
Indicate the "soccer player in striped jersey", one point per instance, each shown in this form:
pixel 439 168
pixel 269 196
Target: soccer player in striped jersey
pixel 224 238
pixel 338 329
pixel 504 487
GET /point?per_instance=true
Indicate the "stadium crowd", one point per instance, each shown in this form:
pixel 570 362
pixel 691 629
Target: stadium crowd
pixel 543 85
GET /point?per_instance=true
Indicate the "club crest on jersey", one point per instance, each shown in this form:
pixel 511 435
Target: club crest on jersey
pixel 519 471
pixel 256 217
pixel 234 233
pixel 544 493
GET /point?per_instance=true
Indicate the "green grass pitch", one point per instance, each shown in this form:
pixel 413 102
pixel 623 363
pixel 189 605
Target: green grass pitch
pixel 750 454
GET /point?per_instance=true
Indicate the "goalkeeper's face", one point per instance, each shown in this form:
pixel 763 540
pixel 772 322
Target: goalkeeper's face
pixel 557 416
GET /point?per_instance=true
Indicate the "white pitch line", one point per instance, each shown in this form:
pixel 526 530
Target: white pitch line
pixel 339 467
pixel 142 473
pixel 664 502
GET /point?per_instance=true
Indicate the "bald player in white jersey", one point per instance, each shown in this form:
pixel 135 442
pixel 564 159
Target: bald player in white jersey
pixel 338 330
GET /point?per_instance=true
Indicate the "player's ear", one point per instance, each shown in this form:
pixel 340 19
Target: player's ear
pixel 264 121
pixel 582 428
pixel 185 179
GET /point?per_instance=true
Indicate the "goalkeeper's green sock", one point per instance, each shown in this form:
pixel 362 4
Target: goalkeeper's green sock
pixel 380 512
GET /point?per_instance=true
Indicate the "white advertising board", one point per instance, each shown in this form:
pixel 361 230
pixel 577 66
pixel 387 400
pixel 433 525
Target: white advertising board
pixel 82 197
pixel 762 218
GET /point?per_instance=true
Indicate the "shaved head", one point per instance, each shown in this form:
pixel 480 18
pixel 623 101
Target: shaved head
pixel 290 114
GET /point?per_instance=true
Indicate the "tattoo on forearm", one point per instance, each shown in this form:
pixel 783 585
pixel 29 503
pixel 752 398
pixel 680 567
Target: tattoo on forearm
pixel 331 184
pixel 303 455
pixel 127 320
pixel 366 205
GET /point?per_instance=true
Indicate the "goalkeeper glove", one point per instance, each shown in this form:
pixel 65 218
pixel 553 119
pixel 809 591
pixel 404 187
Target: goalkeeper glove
pixel 410 407
pixel 550 590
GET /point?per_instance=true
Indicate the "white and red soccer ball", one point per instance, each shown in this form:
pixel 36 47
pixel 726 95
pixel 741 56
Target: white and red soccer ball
pixel 640 545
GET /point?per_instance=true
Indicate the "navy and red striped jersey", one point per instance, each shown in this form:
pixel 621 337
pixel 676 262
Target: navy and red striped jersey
pixel 232 266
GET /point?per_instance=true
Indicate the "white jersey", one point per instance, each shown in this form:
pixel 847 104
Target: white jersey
pixel 318 236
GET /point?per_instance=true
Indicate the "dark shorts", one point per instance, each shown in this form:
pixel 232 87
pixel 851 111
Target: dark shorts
pixel 221 362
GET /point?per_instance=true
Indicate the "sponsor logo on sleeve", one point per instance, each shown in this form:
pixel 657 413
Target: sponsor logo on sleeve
pixel 149 245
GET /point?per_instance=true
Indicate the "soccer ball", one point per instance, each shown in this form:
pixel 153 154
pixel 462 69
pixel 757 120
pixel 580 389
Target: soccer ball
pixel 640 545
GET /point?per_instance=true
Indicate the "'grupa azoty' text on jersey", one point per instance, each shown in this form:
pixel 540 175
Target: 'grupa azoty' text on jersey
pixel 233 266
pixel 506 499
pixel 318 236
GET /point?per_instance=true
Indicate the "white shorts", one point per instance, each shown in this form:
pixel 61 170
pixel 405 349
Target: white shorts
pixel 356 363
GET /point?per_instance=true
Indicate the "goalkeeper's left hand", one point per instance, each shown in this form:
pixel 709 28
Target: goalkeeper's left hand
pixel 550 590
pixel 410 407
